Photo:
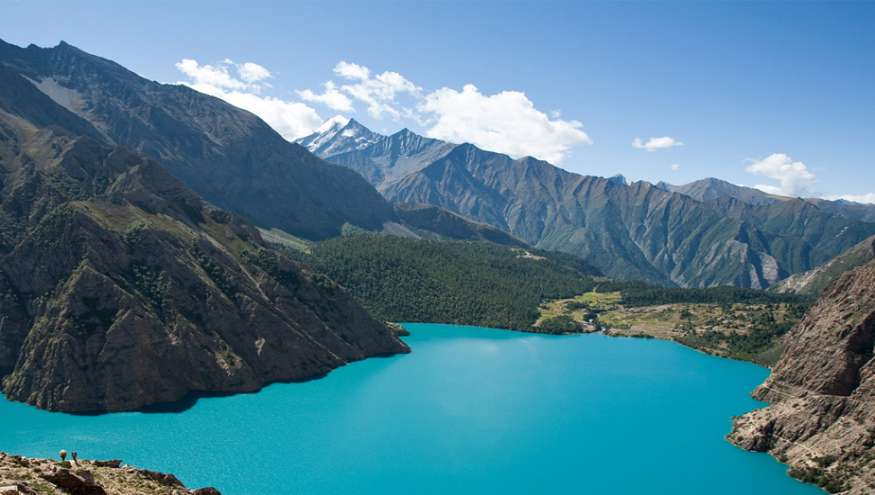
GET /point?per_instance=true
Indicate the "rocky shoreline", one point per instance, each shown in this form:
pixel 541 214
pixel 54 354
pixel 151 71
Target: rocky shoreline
pixel 31 476
pixel 821 417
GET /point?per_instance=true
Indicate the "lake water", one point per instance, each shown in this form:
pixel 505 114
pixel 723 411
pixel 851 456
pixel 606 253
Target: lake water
pixel 471 410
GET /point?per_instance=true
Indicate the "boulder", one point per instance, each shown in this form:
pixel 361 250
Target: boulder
pixel 79 483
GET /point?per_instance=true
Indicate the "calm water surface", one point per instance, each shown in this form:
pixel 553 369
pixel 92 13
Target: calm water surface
pixel 471 410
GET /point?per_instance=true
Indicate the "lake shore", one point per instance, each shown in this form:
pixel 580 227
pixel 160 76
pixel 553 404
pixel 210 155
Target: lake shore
pixel 21 475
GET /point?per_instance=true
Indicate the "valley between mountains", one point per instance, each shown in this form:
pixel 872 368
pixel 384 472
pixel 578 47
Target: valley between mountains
pixel 159 244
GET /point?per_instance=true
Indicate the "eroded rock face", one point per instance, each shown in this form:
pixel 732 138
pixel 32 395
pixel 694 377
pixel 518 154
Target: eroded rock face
pixel 821 420
pixel 80 482
pixel 121 288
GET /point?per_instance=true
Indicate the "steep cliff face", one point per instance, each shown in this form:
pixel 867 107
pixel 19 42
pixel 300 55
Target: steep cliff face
pixel 120 287
pixel 821 417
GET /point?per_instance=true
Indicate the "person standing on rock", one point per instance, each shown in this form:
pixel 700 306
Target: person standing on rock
pixel 63 455
pixel 75 456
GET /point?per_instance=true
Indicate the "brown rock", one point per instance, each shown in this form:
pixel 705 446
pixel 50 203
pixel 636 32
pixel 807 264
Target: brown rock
pixel 821 417
pixel 15 479
pixel 16 489
pixel 120 288
pixel 78 483
pixel 161 478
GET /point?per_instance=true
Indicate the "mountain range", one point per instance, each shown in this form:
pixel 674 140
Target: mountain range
pixel 227 155
pixel 119 286
pixel 702 234
pixel 133 270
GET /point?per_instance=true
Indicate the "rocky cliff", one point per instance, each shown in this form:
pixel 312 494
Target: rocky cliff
pixel 30 476
pixel 821 417
pixel 120 287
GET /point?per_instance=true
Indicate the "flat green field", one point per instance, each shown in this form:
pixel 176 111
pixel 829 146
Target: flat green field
pixel 741 331
pixel 578 308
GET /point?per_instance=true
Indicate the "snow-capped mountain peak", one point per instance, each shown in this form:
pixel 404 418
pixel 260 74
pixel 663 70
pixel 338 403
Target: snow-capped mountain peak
pixel 337 135
pixel 334 123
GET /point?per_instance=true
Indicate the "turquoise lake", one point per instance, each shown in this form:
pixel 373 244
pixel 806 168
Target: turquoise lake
pixel 471 410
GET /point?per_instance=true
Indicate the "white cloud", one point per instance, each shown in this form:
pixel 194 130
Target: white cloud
pixel 252 72
pixel 291 119
pixel 868 198
pixel 507 122
pixel 793 177
pixel 331 97
pixel 656 143
pixel 675 167
pixel 379 93
pixel 214 75
pixel 352 71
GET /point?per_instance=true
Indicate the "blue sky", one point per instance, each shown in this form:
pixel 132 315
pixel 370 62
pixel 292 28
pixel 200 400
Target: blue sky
pixel 775 94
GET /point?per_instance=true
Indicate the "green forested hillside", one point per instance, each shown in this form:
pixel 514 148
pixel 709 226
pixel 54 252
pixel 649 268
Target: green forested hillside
pixel 480 283
pixel 474 283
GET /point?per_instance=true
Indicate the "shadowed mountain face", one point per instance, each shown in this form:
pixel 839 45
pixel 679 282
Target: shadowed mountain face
pixel 713 233
pixel 813 282
pixel 120 287
pixel 229 156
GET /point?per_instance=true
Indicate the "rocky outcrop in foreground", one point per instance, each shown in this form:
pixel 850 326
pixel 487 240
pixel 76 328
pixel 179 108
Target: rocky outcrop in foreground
pixel 821 417
pixel 28 476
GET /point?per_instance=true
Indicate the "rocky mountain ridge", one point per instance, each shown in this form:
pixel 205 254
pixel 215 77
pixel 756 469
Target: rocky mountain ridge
pixel 712 189
pixel 227 155
pixel 627 230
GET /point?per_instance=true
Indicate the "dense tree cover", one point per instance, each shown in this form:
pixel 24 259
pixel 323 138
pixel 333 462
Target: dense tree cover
pixel 474 283
pixel 480 283
pixel 559 324
pixel 646 295
pixel 759 342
